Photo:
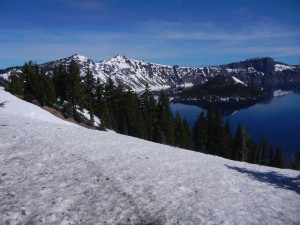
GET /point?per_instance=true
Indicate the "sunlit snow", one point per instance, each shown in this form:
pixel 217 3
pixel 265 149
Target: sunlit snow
pixel 238 81
pixel 282 67
pixel 54 173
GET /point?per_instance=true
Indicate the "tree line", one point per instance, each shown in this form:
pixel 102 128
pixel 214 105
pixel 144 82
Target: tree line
pixel 140 116
pixel 212 136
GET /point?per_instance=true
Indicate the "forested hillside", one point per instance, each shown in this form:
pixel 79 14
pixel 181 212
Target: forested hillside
pixel 140 116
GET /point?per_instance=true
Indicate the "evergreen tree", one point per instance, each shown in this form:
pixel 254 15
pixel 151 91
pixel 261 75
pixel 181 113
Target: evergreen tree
pixel 261 152
pixel 106 117
pixel 211 141
pixel 89 87
pixel 31 81
pixel 215 131
pixel 99 98
pixel 133 115
pixel 73 80
pixel 165 119
pixel 270 157
pixel 149 111
pixel 226 141
pixel 48 90
pixel 200 133
pixel 15 85
pixel 178 130
pixel 61 84
pixel 38 87
pixel 187 141
pixel 296 161
pixel 219 135
pixel 242 145
pixel 278 158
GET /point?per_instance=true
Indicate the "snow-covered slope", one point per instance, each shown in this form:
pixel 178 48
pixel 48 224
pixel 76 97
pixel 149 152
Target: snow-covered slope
pixel 53 173
pixel 15 107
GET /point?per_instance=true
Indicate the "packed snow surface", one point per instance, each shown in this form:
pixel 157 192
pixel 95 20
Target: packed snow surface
pixel 54 173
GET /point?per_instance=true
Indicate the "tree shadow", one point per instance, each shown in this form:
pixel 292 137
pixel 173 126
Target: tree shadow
pixel 275 179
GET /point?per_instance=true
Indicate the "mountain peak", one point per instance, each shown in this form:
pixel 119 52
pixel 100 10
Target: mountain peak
pixel 258 59
pixel 79 57
pixel 120 57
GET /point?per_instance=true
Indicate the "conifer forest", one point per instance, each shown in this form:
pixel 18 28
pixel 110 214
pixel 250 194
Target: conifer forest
pixel 140 115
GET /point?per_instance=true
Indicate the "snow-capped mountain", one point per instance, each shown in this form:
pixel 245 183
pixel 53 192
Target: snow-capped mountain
pixel 135 74
pixel 55 172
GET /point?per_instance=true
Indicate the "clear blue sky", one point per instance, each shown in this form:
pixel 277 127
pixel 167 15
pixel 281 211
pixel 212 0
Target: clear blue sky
pixel 183 32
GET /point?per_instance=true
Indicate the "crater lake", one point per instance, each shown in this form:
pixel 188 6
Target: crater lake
pixel 277 119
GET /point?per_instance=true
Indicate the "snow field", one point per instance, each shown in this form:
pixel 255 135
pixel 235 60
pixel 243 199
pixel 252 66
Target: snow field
pixel 54 173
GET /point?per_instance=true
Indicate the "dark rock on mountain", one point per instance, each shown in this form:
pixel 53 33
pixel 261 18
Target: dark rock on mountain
pixel 222 92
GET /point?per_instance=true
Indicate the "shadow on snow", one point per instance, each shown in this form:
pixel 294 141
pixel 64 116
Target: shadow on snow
pixel 275 179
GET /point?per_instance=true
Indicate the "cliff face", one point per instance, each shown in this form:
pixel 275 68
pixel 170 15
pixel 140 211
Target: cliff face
pixel 265 73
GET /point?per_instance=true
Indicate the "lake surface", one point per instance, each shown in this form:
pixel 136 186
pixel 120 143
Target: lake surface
pixel 277 119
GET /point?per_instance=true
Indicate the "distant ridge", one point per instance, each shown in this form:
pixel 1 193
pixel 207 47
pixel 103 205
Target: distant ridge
pixel 262 72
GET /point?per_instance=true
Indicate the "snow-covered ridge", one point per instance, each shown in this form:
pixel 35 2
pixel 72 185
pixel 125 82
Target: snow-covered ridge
pixel 135 74
pixel 54 173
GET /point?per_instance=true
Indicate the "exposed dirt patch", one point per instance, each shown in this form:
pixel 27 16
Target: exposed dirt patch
pixel 59 114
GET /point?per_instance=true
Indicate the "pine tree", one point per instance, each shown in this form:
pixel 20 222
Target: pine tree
pixel 278 158
pixel 35 80
pixel 296 161
pixel 133 115
pixel 165 119
pixel 200 133
pixel 89 92
pixel 270 157
pixel 261 152
pixel 149 111
pixel 242 145
pixel 15 85
pixel 211 132
pixel 219 135
pixel 73 79
pixel 48 90
pixel 30 81
pixel 106 117
pixel 99 98
pixel 178 130
pixel 61 85
pixel 187 141
pixel 227 141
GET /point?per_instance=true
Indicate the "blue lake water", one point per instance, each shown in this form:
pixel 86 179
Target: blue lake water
pixel 277 119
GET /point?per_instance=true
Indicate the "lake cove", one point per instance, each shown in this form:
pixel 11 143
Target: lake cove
pixel 278 119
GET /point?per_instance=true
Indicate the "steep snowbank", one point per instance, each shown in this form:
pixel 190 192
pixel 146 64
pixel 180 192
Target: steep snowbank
pixel 16 107
pixel 53 173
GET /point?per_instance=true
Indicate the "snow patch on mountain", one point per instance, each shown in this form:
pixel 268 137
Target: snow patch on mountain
pixel 238 81
pixel 279 92
pixel 282 67
pixel 8 73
